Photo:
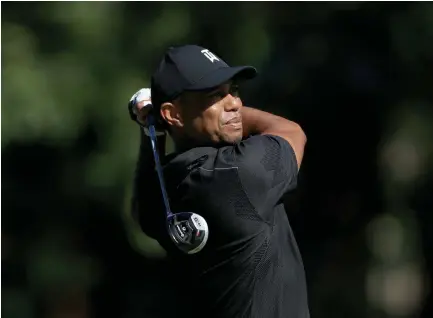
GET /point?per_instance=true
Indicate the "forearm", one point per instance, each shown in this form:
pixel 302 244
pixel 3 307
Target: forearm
pixel 146 162
pixel 258 122
pixel 145 189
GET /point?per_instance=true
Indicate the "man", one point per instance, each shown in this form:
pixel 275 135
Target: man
pixel 232 165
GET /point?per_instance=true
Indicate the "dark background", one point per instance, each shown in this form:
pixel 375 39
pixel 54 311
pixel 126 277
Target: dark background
pixel 357 76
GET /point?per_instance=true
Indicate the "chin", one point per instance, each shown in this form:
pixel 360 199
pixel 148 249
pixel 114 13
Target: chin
pixel 233 139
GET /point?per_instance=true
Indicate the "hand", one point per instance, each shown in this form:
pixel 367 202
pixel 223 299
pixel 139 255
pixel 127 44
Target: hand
pixel 140 106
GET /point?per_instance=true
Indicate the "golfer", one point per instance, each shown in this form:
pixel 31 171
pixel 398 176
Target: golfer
pixel 232 165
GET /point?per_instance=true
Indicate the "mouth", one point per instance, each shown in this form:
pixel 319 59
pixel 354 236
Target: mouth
pixel 234 123
pixel 235 120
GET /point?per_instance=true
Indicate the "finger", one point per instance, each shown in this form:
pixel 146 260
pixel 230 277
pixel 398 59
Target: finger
pixel 139 106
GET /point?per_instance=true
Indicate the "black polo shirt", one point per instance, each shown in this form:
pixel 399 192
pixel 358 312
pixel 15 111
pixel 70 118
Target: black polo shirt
pixel 251 265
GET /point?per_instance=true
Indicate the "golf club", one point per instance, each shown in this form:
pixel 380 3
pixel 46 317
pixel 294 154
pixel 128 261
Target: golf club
pixel 189 231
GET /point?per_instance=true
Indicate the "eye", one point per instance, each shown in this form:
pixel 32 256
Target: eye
pixel 217 96
pixel 234 90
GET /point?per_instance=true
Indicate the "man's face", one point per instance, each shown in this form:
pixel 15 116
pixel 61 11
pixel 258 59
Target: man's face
pixel 211 116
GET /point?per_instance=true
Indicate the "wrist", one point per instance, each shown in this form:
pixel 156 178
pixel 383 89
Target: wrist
pixel 251 119
pixel 146 144
pixel 145 132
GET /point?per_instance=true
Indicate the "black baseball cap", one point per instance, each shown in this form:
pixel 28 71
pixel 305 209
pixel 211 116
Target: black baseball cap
pixel 192 68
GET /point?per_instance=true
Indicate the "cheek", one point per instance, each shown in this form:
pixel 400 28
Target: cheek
pixel 207 120
pixel 211 118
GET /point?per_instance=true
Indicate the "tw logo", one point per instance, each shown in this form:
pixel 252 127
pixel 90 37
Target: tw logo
pixel 211 57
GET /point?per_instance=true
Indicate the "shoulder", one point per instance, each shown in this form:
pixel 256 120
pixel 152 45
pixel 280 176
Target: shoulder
pixel 264 150
pixel 266 166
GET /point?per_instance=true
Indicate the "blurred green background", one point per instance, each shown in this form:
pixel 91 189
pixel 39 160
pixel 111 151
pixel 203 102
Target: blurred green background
pixel 357 76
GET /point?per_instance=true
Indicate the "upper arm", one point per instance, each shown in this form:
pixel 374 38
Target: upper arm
pixel 268 169
pixel 294 135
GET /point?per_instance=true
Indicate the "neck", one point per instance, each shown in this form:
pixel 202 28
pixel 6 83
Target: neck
pixel 182 144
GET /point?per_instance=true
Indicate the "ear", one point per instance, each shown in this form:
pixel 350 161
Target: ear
pixel 171 114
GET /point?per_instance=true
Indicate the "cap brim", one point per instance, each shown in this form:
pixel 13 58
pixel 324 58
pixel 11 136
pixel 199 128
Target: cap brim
pixel 222 75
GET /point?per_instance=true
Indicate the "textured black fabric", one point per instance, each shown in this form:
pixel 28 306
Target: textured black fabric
pixel 251 265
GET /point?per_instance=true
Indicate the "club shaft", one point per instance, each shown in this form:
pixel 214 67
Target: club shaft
pixel 158 166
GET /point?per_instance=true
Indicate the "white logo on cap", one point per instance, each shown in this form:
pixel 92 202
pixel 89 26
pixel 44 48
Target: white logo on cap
pixel 211 57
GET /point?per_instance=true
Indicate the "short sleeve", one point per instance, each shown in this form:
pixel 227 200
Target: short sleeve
pixel 267 168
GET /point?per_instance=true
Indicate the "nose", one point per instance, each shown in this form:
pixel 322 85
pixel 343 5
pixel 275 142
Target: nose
pixel 233 103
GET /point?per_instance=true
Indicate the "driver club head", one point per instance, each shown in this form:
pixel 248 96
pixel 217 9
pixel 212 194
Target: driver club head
pixel 189 231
